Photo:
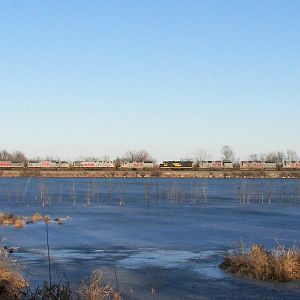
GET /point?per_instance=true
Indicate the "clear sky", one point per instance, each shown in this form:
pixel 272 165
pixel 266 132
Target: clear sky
pixel 102 77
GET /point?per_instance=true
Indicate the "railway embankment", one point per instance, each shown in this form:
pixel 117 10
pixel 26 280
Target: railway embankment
pixel 153 173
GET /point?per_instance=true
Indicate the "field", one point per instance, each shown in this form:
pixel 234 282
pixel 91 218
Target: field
pixel 153 238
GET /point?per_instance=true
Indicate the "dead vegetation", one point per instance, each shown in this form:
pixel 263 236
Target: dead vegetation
pixel 11 280
pixel 7 219
pixel 280 264
pixel 94 289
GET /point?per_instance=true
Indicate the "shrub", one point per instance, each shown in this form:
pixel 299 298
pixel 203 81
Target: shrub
pixel 279 264
pixel 37 217
pixel 93 289
pixel 7 219
pixel 11 281
pixel 19 223
pixel 47 218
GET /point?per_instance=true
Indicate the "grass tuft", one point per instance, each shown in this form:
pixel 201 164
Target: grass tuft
pixel 47 218
pixel 93 289
pixel 280 264
pixel 19 223
pixel 36 217
pixel 11 280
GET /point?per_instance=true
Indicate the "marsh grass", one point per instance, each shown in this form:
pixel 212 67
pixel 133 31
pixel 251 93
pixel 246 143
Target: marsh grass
pixel 56 291
pixel 11 280
pixel 19 223
pixel 93 288
pixel 36 217
pixel 7 219
pixel 280 264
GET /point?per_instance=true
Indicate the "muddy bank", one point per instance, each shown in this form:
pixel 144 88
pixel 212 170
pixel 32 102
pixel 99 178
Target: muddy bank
pixel 152 173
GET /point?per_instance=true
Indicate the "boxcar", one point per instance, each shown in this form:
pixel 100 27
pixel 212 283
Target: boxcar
pixel 211 164
pixel 270 165
pixel 227 164
pixel 93 164
pixel 5 164
pixel 132 165
pixel 252 165
pixel 291 165
pixel 148 165
pixel 43 164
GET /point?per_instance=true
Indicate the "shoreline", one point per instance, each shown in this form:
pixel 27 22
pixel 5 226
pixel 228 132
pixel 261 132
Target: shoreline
pixel 151 174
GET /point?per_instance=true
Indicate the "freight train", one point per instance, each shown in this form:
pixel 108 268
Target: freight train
pixel 149 165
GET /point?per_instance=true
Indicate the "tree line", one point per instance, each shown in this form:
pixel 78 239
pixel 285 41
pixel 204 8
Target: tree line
pixel 226 154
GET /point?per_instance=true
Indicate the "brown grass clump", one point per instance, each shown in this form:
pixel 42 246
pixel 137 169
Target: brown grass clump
pixel 19 223
pixel 47 218
pixel 36 217
pixel 11 281
pixel 93 289
pixel 7 219
pixel 279 264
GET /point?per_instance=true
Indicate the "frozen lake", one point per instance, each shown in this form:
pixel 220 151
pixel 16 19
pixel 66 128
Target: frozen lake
pixel 164 238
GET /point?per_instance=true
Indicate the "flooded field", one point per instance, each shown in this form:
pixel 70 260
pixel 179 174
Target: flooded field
pixel 153 238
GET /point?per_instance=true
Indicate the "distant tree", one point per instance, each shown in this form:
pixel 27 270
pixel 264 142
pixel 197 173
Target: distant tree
pixel 262 156
pixel 52 158
pixel 139 155
pixel 291 155
pixel 5 155
pixel 91 158
pixel 253 157
pixel 19 156
pixel 15 156
pixel 105 158
pixel 277 157
pixel 118 161
pixel 201 155
pixel 227 153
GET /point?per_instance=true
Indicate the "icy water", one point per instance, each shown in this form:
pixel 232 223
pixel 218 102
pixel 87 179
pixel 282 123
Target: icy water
pixel 153 238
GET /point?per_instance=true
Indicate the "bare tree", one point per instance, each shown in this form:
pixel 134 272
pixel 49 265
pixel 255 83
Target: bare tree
pixel 201 155
pixel 19 156
pixel 105 158
pixel 227 153
pixel 253 157
pixel 91 158
pixel 291 155
pixel 139 155
pixel 15 156
pixel 5 155
pixel 262 156
pixel 277 157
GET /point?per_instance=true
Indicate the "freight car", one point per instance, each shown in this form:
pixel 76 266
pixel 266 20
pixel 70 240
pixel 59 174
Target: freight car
pixel 215 165
pixel 210 164
pixel 137 165
pixel 177 165
pixel 11 164
pixel 43 164
pixel 292 165
pixel 94 164
pixel 249 165
pixel 258 165
pixel 226 164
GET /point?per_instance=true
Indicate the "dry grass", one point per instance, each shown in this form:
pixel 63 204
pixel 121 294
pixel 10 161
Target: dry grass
pixel 19 223
pixel 36 217
pixel 11 280
pixel 47 219
pixel 93 289
pixel 7 219
pixel 279 264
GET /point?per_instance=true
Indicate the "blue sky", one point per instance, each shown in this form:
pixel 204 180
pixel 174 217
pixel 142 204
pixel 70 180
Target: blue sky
pixel 102 77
